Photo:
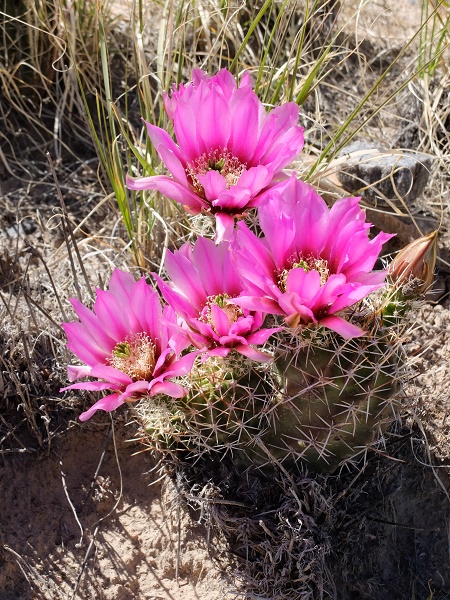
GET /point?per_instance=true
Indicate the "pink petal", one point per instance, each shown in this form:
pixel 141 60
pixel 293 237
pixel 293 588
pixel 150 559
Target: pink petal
pixel 179 341
pixel 293 306
pixel 259 303
pixel 305 285
pixel 246 80
pixel 285 150
pixel 124 290
pixel 311 219
pixel 213 266
pixel 253 354
pixel 366 260
pixel 91 322
pixel 135 389
pixel 246 113
pixel 75 372
pixel 220 320
pixel 185 278
pixel 91 386
pixel 108 404
pixel 242 326
pixel 161 139
pixel 352 296
pixel 231 340
pixel 111 315
pixel 160 363
pixel 145 307
pixel 182 366
pixel 213 184
pixel 328 293
pixel 225 80
pixel 254 180
pixel 205 329
pixel 168 388
pixel 233 200
pixel 224 228
pixel 185 127
pixel 179 301
pixel 152 317
pixel 260 337
pixel 252 260
pixel 279 230
pixel 174 165
pixel 82 344
pixel 168 187
pixel 278 122
pixel 344 328
pixel 213 124
pixel 221 351
pixel 110 374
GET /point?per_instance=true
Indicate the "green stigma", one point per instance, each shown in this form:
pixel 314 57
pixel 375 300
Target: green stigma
pixel 122 350
pixel 301 264
pixel 216 165
pixel 221 300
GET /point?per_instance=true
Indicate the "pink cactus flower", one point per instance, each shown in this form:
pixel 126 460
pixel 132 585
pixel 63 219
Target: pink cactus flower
pixel 229 149
pixel 313 263
pixel 129 343
pixel 202 291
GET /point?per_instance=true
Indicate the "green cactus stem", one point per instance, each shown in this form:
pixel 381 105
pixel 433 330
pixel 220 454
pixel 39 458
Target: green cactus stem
pixel 335 398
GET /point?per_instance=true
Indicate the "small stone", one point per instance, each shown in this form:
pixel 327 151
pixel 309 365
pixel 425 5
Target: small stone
pixel 25 227
pixel 377 174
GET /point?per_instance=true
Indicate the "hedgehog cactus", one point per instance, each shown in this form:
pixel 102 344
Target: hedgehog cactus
pixel 224 410
pixel 282 347
pixel 319 403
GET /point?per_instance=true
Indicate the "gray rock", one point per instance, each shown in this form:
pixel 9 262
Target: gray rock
pixel 393 176
pixel 25 227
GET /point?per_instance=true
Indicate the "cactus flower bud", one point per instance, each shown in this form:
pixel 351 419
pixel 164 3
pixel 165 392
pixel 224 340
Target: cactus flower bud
pixel 413 268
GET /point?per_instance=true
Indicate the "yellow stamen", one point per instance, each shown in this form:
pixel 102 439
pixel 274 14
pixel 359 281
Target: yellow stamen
pixel 307 264
pixel 135 357
pixel 220 160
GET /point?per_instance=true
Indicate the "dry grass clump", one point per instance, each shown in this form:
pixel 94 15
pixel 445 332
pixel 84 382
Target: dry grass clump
pixel 44 259
pixel 277 528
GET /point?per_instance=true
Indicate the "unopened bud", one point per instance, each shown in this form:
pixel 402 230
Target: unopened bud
pixel 412 269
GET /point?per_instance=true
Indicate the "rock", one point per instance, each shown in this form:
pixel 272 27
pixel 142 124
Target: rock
pixel 25 227
pixel 379 174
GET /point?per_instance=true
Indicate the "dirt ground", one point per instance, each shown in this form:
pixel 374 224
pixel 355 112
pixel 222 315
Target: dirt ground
pixel 71 508
pixel 91 516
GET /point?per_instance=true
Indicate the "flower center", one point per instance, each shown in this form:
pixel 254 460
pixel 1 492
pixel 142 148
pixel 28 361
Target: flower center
pixel 307 264
pixel 232 311
pixel 220 160
pixel 135 357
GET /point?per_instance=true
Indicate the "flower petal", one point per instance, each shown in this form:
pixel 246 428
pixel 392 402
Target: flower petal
pixel 161 139
pixel 252 353
pixel 75 372
pixel 224 228
pixel 82 344
pixel 344 328
pixel 213 184
pixel 168 388
pixel 168 187
pixel 108 403
pixel 91 386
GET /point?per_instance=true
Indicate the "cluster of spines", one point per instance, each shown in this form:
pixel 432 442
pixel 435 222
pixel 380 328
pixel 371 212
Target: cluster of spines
pixel 320 402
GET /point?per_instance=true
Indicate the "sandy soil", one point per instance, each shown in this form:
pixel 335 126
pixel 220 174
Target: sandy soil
pixel 71 508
